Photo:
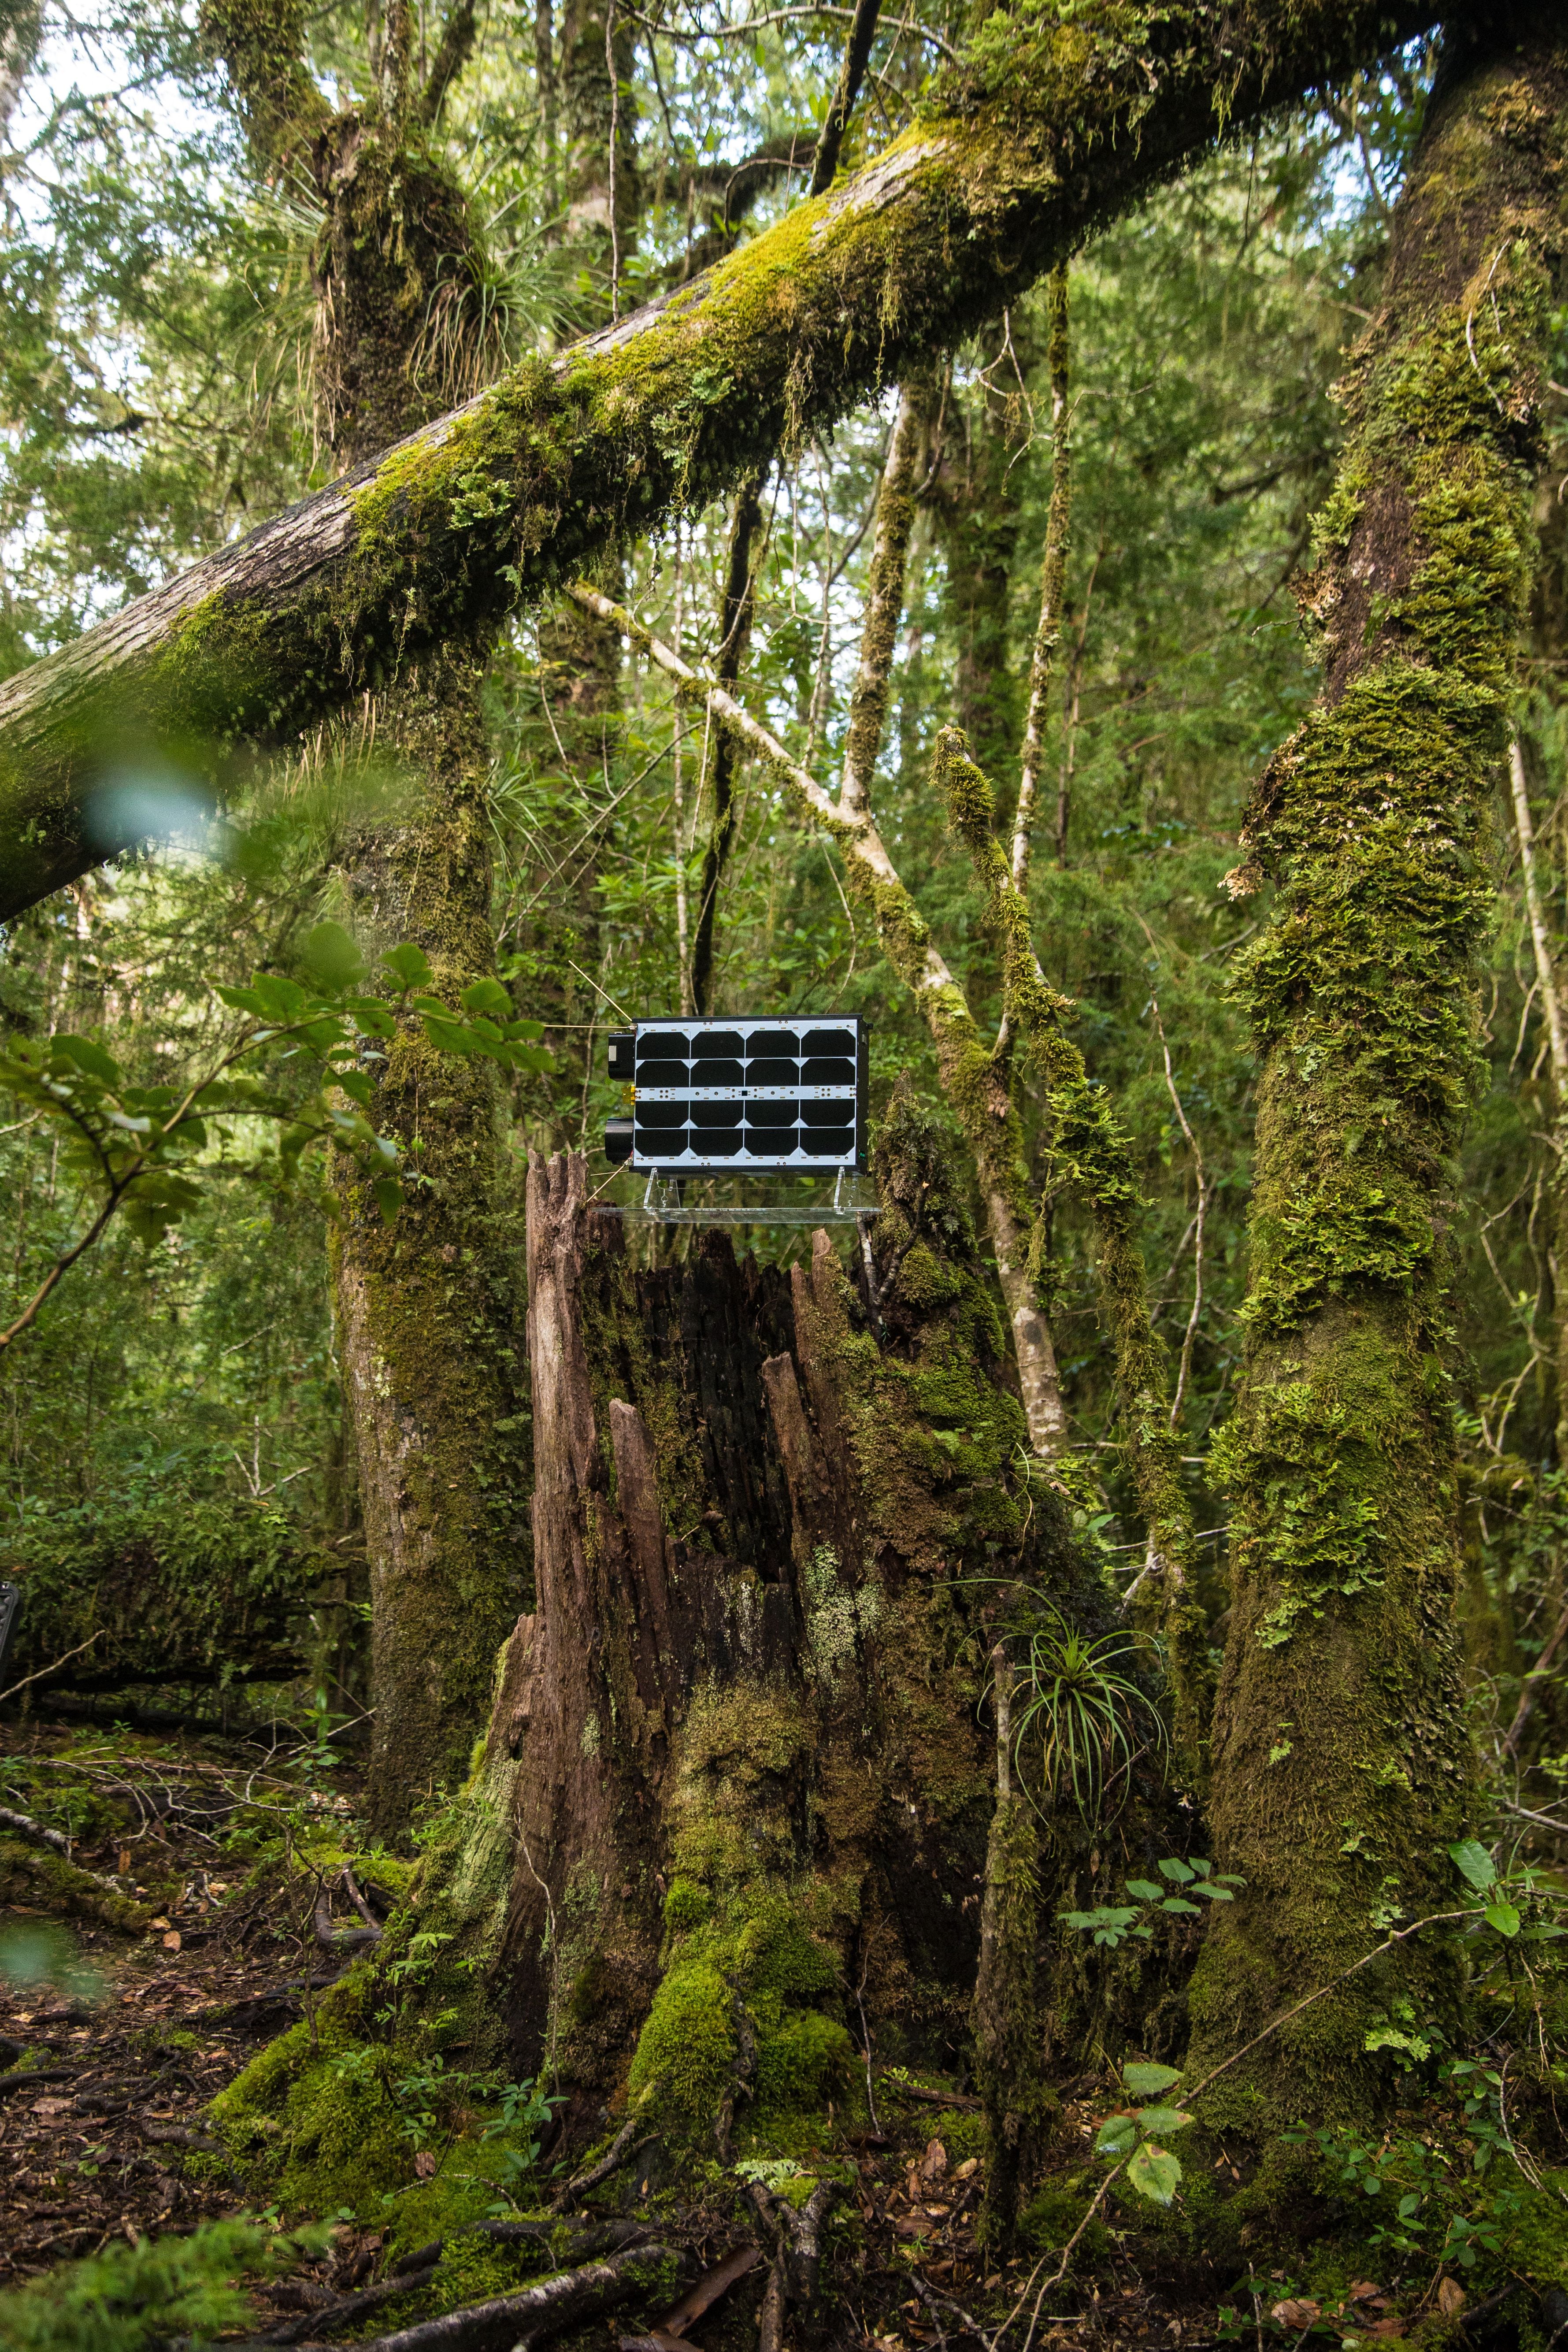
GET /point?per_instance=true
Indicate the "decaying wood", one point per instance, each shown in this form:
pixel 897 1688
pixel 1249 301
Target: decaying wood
pixel 533 2314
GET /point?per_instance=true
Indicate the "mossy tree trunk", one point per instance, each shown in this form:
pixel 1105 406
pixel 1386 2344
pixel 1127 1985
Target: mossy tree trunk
pixel 1019 149
pixel 753 1794
pixel 428 1310
pixel 1341 1760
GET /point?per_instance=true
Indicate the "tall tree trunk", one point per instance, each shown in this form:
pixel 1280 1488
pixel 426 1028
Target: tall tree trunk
pixel 974 507
pixel 1341 1761
pixel 428 1310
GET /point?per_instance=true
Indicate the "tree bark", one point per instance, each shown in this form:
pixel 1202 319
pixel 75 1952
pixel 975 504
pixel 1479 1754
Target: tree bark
pixel 750 1776
pixel 1341 1762
pixel 1018 155
pixel 429 1309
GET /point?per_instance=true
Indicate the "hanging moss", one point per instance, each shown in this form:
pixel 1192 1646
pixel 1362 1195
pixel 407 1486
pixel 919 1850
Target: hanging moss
pixel 1341 1763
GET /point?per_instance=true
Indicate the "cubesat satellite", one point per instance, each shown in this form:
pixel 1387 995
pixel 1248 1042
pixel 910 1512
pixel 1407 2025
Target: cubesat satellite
pixel 731 1097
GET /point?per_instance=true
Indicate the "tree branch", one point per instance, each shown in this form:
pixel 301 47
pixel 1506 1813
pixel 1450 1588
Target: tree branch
pixel 262 46
pixel 852 73
pixel 493 504
pixel 1053 586
pixel 968 1072
pixel 1090 1143
pixel 735 617
pixel 455 49
pixel 884 602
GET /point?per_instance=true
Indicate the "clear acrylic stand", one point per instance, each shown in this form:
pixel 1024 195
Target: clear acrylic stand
pixel 854 1197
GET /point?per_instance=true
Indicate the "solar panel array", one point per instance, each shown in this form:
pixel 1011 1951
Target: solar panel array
pixel 739 1095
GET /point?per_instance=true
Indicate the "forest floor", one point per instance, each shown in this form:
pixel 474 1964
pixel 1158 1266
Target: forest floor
pixel 112 2042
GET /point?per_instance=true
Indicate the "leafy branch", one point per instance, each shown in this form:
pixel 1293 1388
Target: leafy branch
pixel 138 1149
pixel 1133 2135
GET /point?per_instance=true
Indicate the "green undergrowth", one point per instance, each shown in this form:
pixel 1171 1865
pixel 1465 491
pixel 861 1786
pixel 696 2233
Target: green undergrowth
pixel 359 2109
pixel 135 2298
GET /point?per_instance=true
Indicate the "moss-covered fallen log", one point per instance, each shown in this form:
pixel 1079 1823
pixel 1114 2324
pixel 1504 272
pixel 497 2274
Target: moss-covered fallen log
pixel 1055 123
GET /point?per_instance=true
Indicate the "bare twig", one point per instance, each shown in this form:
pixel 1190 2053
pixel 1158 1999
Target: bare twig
pixel 1053 582
pixel 39 1673
pixel 1528 1694
pixel 1545 964
pixel 619 2152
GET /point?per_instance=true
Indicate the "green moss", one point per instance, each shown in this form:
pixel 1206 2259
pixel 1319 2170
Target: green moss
pixel 1051 2218
pixel 686 1906
pixel 740 2011
pixel 311 2118
pixel 35 1876
pixel 1346 1558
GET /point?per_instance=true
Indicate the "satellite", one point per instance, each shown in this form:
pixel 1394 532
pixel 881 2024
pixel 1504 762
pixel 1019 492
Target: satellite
pixel 735 1096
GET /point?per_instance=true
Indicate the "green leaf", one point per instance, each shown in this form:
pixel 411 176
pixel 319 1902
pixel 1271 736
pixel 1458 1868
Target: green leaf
pixel 447 1035
pixel 1176 1903
pixel 388 1197
pixel 242 1000
pixel 1161 2122
pixel 1503 1917
pixel 1118 2133
pixel 1145 1890
pixel 1474 1863
pixel 1201 1866
pixel 1214 1893
pixel 486 996
pixel 1543 1932
pixel 373 1014
pixel 409 964
pixel 1147 2081
pixel 1154 2173
pixel 330 959
pixel 1176 1871
pixel 282 1000
pixel 89 1057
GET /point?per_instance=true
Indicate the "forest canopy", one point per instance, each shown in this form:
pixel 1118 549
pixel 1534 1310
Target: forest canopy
pixel 975 1754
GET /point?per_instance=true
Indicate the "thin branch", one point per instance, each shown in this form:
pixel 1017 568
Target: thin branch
pixel 1545 965
pixel 735 620
pixel 1400 1936
pixel 884 602
pixel 856 57
pixel 41 1671
pixel 991 1122
pixel 1053 581
pixel 1527 1697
